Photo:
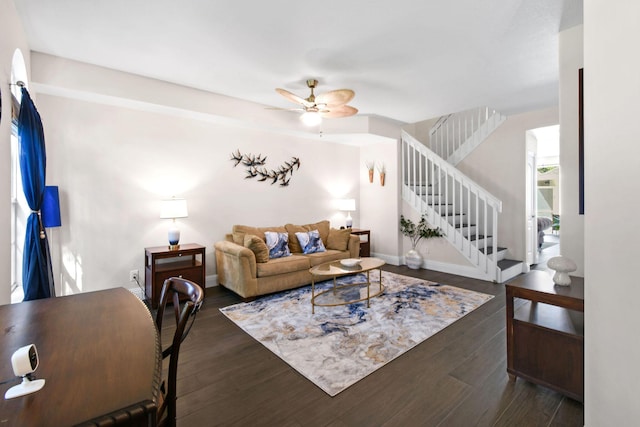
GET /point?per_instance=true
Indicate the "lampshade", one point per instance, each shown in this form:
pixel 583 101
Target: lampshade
pixel 50 210
pixel 347 205
pixel 174 208
pixel 311 118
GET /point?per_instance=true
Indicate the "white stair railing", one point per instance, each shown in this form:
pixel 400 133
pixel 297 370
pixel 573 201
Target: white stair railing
pixel 454 136
pixel 466 212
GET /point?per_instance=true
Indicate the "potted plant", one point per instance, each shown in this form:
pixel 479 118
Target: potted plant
pixel 370 166
pixel 416 232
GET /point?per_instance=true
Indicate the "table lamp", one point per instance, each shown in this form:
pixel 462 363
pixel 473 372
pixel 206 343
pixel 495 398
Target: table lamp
pixel 172 209
pixel 348 205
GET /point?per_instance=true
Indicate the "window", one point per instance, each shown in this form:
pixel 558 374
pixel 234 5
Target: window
pixel 19 207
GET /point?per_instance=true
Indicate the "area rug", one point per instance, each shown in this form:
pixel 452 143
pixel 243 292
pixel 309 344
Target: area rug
pixel 338 346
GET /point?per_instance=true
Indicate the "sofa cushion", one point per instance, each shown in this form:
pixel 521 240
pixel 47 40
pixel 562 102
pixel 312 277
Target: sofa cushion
pixel 326 256
pixel 257 246
pixel 278 244
pixel 310 241
pixel 283 265
pixel 338 239
pixel 292 229
pixel 322 227
pixel 256 231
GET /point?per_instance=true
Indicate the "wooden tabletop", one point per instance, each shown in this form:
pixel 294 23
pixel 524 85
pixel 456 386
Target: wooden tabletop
pixel 99 353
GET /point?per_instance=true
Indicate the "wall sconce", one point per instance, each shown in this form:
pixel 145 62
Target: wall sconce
pixel 172 209
pixel 348 205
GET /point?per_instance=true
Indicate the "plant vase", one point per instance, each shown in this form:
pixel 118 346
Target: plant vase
pixel 382 175
pixel 413 259
pixel 371 175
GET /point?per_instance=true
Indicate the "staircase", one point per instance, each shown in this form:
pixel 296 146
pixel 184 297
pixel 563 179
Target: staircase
pixel 466 212
pixel 454 136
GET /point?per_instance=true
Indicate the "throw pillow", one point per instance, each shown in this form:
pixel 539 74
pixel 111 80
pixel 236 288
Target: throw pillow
pixel 277 244
pixel 322 226
pixel 310 242
pixel 257 246
pixel 339 239
pixel 292 229
pixel 238 238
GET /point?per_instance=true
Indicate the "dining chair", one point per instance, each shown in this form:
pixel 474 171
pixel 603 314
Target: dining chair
pixel 175 290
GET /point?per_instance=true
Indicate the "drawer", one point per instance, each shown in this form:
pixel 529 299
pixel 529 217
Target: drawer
pixel 193 274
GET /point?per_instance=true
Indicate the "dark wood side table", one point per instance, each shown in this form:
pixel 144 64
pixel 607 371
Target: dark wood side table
pixel 187 261
pixel 365 245
pixel 545 334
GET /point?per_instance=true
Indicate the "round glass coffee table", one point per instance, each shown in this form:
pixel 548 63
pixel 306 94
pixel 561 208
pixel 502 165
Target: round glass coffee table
pixel 347 293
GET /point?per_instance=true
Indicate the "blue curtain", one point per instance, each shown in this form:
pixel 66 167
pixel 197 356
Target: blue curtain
pixel 37 273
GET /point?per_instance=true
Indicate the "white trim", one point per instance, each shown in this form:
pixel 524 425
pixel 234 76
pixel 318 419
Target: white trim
pixel 211 281
pixel 389 259
pixel 457 269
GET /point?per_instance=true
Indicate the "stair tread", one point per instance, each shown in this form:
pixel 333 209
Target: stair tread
pixel 507 263
pixel 490 249
pixel 480 237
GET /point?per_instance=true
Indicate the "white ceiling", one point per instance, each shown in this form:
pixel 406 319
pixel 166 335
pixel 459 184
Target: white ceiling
pixel 408 60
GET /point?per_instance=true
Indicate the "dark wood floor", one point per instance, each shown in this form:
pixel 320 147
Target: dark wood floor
pixel 455 378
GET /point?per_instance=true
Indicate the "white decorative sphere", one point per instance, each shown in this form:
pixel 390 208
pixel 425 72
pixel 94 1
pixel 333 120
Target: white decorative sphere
pixel 562 266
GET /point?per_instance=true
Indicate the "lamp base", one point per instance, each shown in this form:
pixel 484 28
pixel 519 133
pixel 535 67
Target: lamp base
pixel 349 221
pixel 174 237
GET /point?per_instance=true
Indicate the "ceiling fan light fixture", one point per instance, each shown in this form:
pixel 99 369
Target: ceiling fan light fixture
pixel 311 118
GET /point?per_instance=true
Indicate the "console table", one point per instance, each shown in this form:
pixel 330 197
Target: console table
pixel 545 334
pixel 99 355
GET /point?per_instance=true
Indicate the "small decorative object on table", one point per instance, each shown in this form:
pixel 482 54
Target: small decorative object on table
pixel 417 233
pixel 350 262
pixel 562 266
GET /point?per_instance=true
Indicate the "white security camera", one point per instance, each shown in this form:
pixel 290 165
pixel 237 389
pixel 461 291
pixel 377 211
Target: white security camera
pixel 24 362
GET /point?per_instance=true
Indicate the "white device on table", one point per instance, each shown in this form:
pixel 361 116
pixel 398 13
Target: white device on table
pixel 24 361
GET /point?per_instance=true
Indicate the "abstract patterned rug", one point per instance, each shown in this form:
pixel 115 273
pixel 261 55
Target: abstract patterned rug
pixel 338 346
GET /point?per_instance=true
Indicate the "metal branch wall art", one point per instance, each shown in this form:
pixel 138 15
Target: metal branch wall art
pixel 255 167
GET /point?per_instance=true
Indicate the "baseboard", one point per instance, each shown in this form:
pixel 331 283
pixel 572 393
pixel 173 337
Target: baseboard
pixel 389 259
pixel 211 281
pixel 457 269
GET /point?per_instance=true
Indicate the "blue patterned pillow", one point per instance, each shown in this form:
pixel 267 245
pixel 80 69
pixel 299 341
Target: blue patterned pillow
pixel 310 242
pixel 278 244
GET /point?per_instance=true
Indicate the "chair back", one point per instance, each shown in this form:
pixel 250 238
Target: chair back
pixel 175 290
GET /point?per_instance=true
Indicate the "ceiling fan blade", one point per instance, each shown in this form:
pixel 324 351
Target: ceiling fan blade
pixel 294 98
pixel 335 97
pixel 339 111
pixel 285 109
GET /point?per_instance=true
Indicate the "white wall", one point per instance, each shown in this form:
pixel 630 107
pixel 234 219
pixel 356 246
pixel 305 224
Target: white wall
pixel 611 236
pixel 379 205
pixel 11 38
pixel 571 223
pixel 116 155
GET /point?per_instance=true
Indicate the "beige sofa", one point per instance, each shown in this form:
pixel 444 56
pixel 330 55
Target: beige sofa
pixel 243 267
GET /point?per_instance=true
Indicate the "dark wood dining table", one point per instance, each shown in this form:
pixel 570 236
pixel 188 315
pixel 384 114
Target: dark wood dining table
pixel 99 356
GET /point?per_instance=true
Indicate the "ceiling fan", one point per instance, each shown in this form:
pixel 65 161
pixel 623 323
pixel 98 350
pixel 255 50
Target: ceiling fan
pixel 331 104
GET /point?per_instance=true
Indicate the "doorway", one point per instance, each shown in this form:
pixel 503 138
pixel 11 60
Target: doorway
pixel 546 193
